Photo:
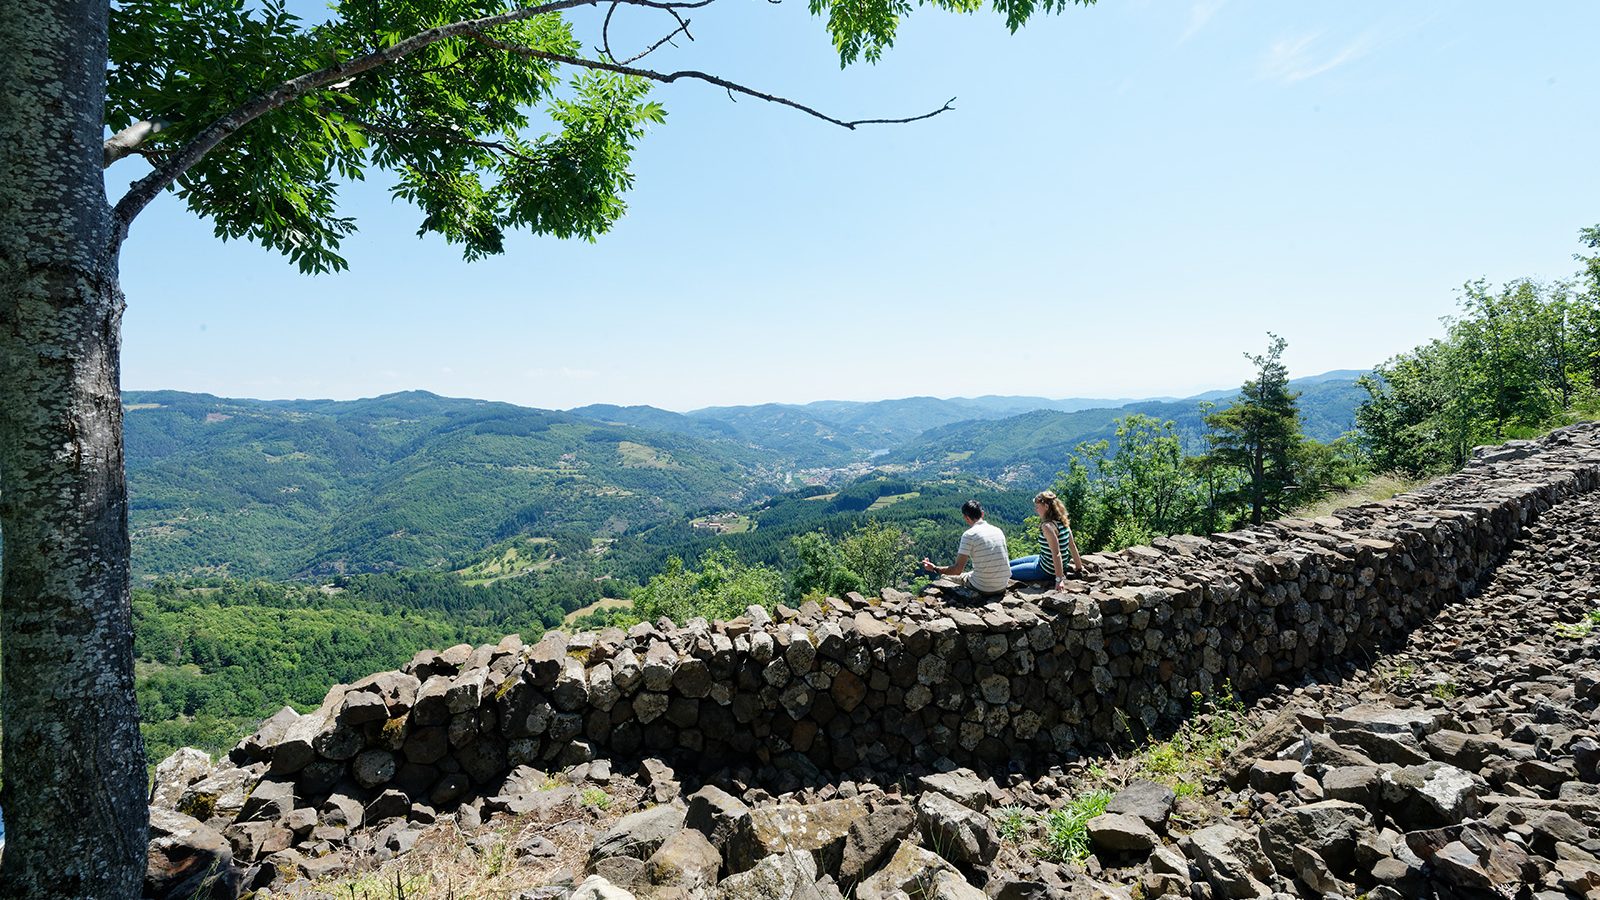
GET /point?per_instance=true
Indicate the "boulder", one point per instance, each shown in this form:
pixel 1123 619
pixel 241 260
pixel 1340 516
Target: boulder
pixel 338 740
pixel 659 781
pixel 1314 872
pixel 909 872
pixel 255 840
pixel 1386 733
pixel 175 773
pixel 465 692
pixel 1483 861
pixel 1431 795
pixel 220 795
pixel 1145 800
pixel 620 871
pixel 638 835
pixel 535 847
pixel 373 768
pixel 1122 833
pixel 1231 861
pixel 187 860
pixel 871 839
pixel 389 804
pixel 310 730
pixel 397 689
pixel 1324 751
pixel 342 810
pixel 431 707
pixel 1577 877
pixel 1353 784
pixel 725 821
pixel 1331 829
pixel 961 786
pixel 1274 776
pixel 427 744
pixel 1459 749
pixel 817 828
pixel 271 800
pixel 1552 827
pixel 1284 729
pixel 687 860
pixel 596 887
pixel 957 833
pixel 258 747
pixel 791 876
pixel 361 707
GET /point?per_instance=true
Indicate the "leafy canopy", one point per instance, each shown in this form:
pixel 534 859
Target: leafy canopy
pixel 1516 361
pixel 723 588
pixel 492 128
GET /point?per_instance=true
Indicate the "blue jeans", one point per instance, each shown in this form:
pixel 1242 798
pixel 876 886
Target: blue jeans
pixel 1029 568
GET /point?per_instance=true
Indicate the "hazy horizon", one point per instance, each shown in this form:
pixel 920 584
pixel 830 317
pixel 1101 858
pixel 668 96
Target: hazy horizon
pixel 1122 399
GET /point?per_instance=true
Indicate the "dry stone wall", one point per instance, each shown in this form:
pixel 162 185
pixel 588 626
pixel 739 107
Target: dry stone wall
pixel 873 685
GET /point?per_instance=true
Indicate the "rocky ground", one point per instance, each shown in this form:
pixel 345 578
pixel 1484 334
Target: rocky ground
pixel 1462 764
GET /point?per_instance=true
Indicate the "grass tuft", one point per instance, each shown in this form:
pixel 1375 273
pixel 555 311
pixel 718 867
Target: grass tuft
pixel 1066 830
pixel 1581 628
pixel 1014 823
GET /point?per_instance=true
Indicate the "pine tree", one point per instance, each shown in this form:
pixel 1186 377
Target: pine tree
pixel 1259 433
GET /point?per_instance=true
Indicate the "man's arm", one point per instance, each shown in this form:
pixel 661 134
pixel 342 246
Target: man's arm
pixel 951 570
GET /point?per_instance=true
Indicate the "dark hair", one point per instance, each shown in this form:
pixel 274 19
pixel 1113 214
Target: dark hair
pixel 972 509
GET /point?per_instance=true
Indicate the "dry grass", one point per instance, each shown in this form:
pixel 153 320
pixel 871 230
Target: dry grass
pixel 444 865
pixel 1379 487
pixel 597 606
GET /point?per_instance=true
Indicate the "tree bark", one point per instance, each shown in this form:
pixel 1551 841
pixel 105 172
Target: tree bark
pixel 74 795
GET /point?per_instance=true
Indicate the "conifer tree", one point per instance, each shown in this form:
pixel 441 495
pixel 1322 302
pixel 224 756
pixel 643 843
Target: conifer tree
pixel 1259 434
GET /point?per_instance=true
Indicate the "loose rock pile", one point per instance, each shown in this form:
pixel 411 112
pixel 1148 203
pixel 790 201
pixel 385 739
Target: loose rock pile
pixel 1463 765
pixel 830 741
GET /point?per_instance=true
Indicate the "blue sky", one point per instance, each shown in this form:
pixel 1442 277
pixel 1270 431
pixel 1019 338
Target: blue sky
pixel 1124 200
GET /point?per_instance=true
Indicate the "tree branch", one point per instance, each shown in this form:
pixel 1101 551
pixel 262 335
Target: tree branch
pixel 126 142
pixel 171 166
pixel 693 75
pixel 149 187
pixel 444 134
pixel 605 36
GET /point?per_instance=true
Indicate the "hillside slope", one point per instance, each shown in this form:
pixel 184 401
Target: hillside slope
pixel 248 487
pixel 1032 447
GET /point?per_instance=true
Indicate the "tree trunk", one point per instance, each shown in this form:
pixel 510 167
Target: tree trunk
pixel 74 795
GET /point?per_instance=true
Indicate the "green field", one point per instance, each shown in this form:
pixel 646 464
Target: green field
pixel 891 499
pixel 598 605
pixel 523 556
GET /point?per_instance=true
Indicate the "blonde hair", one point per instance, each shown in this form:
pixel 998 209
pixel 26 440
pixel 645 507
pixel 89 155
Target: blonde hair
pixel 1055 510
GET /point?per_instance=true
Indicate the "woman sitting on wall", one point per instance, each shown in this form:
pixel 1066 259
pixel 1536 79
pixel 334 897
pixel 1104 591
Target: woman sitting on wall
pixel 1055 531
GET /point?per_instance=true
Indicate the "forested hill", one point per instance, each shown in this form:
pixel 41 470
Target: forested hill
pixel 279 488
pixel 1032 447
pixel 838 432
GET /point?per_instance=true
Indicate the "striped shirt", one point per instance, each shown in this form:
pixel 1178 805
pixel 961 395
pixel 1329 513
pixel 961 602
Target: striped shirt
pixel 985 548
pixel 1047 560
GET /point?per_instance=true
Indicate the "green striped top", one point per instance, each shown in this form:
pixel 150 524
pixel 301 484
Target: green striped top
pixel 1047 560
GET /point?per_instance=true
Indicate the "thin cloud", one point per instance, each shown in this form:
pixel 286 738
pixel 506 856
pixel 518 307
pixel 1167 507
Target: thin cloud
pixel 1293 59
pixel 1199 16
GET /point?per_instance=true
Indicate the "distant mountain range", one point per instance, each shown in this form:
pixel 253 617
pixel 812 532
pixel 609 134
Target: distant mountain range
pixel 1032 447
pixel 988 435
pixel 280 488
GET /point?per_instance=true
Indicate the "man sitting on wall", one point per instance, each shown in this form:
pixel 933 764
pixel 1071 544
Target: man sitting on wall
pixel 985 547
